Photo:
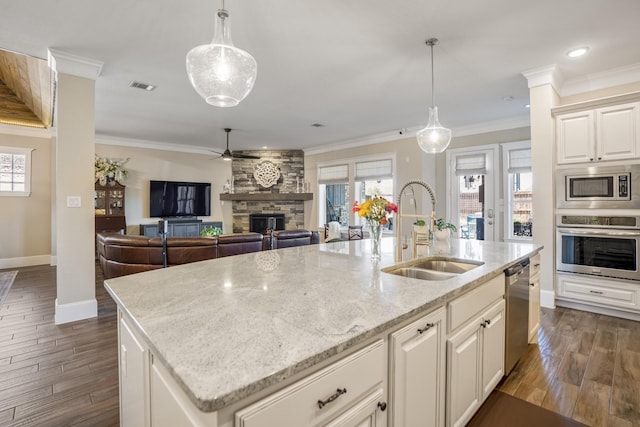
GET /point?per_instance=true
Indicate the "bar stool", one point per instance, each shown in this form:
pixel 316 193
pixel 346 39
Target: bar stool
pixel 355 232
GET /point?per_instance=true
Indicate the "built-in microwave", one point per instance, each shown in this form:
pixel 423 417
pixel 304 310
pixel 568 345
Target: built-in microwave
pixel 607 187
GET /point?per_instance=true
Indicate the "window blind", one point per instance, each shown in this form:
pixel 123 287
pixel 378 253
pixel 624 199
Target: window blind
pixel 519 160
pixel 333 174
pixel 374 170
pixel 474 164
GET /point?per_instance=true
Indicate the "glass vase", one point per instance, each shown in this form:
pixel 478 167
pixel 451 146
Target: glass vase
pixel 375 234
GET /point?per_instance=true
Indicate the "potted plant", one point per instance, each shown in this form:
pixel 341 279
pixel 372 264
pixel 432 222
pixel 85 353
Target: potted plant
pixel 211 231
pixel 444 229
pixel 420 227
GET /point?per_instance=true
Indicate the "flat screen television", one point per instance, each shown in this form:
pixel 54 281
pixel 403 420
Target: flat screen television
pixel 179 199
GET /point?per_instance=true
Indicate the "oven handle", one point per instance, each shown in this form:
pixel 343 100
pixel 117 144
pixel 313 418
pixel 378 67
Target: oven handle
pixel 593 232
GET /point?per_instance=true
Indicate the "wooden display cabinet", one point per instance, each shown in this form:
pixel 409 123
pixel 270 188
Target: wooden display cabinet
pixel 108 202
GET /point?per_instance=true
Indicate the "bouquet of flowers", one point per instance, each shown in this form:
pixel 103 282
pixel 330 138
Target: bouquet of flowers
pixel 108 170
pixel 376 210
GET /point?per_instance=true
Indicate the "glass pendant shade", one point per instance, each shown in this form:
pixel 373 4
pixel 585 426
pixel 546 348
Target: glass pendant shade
pixel 221 73
pixel 434 138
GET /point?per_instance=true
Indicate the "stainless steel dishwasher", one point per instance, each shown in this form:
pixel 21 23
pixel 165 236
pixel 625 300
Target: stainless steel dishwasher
pixel 517 313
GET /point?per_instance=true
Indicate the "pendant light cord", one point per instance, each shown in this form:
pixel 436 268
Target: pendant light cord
pixel 432 42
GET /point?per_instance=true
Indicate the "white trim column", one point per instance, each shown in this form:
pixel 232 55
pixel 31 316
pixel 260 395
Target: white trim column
pixel 74 177
pixel 543 93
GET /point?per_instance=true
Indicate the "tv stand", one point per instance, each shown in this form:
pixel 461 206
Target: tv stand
pixel 182 219
pixel 179 227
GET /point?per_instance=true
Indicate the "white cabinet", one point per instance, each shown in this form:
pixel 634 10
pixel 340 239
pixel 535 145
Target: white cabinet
pixel 475 363
pixel 133 368
pixel 534 298
pixel 334 393
pixel 606 133
pixel 417 372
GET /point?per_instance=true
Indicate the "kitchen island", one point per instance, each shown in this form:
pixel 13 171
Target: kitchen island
pixel 222 334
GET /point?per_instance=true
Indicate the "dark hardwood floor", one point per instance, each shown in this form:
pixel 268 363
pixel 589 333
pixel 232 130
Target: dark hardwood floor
pixel 586 366
pixel 50 375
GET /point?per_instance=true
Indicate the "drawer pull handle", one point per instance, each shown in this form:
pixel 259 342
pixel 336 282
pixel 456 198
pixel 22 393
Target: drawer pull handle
pixel 597 292
pixel 382 406
pixel 334 396
pixel 485 323
pixel 425 329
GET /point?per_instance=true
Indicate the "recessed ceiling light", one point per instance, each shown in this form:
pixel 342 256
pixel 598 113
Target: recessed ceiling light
pixel 140 85
pixel 574 53
pixel 527 105
pixel 264 147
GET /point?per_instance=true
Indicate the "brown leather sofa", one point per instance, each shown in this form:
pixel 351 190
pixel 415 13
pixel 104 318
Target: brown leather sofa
pixel 126 254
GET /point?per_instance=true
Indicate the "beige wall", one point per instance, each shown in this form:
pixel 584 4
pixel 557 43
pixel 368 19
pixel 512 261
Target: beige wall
pixel 147 164
pixel 601 93
pixel 25 225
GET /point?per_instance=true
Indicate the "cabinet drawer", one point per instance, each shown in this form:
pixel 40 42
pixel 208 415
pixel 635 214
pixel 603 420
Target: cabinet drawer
pixel 298 404
pixel 534 266
pixel 468 305
pixel 604 292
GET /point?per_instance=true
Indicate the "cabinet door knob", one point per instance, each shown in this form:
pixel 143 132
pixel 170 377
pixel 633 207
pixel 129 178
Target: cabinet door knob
pixel 426 328
pixel 382 406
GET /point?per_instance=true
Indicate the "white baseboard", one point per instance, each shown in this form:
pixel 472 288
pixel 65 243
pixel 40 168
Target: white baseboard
pixel 78 310
pixel 547 299
pixel 598 309
pixel 54 261
pixel 25 261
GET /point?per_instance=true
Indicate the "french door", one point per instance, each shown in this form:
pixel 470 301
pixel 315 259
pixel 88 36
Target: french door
pixel 472 192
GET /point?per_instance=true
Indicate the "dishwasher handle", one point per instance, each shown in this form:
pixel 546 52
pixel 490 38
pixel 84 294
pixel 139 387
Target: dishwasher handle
pixel 516 268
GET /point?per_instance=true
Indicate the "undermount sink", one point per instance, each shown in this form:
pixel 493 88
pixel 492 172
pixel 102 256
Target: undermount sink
pixel 435 268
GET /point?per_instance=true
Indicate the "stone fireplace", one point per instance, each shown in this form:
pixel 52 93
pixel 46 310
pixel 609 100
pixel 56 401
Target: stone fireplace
pixel 281 200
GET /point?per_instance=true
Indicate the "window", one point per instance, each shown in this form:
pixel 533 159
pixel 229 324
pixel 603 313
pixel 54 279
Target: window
pixel 471 173
pixel 518 194
pixel 374 178
pixel 15 171
pixel 353 179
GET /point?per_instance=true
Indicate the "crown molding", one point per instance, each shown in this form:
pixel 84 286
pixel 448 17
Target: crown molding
pixel 515 122
pixel 68 63
pixel 548 74
pixel 149 145
pixel 27 131
pixel 360 142
pixel 602 80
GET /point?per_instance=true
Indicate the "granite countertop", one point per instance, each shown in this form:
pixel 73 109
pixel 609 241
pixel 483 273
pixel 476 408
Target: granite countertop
pixel 229 327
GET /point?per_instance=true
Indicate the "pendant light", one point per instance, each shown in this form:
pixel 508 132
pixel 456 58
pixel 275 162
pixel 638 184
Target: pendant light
pixel 434 138
pixel 221 73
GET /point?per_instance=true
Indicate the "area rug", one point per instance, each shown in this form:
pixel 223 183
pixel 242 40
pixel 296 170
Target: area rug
pixel 503 410
pixel 6 280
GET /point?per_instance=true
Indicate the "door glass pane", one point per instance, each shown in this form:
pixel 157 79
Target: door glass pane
pixel 470 201
pixel 521 204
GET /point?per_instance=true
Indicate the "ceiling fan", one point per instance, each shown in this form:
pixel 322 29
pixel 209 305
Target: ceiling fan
pixel 229 155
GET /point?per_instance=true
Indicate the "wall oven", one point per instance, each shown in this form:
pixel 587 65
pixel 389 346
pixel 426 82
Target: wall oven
pixel 598 245
pixel 599 187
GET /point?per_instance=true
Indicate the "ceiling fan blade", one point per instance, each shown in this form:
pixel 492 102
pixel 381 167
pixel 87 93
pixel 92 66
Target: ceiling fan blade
pixel 244 156
pixel 217 152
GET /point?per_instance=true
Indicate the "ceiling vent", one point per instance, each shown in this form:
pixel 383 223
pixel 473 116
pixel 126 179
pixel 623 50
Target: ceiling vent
pixel 140 85
pixel 317 125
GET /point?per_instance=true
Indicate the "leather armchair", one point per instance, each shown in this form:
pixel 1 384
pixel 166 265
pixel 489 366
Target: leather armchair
pixel 241 243
pixel 290 238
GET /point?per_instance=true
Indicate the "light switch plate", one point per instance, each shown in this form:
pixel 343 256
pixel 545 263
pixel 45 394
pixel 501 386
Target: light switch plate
pixel 74 201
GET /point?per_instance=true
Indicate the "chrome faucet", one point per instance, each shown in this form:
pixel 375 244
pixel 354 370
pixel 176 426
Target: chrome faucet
pixel 399 245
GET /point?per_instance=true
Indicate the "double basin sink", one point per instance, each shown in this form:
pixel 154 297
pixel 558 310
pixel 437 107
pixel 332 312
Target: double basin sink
pixel 433 268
